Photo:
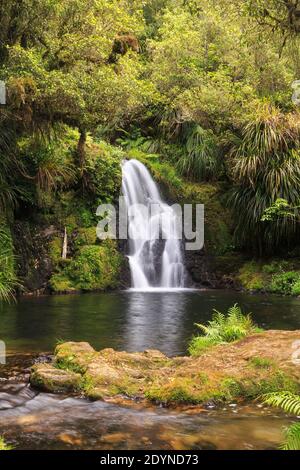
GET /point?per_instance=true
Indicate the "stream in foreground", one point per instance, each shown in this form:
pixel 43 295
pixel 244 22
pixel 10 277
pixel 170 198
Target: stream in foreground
pixel 130 321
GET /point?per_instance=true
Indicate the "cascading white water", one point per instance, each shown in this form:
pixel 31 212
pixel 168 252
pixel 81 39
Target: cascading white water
pixel 155 262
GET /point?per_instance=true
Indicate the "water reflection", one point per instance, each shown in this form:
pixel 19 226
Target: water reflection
pixel 154 320
pixel 132 320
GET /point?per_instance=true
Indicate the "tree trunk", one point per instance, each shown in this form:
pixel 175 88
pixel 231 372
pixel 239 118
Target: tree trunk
pixel 65 245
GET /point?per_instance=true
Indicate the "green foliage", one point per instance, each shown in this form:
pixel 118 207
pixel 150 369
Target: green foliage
pixel 278 276
pixel 94 267
pixel 251 277
pixel 286 283
pixel 289 403
pixel 103 166
pixel 8 279
pixel 181 80
pixel 265 167
pixel 223 328
pixel 201 160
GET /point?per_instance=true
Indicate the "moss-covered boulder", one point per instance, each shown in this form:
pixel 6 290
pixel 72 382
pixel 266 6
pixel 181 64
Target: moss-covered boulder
pixel 49 379
pixel 93 267
pixel 245 369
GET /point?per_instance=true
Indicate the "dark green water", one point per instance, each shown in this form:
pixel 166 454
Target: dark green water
pixel 131 321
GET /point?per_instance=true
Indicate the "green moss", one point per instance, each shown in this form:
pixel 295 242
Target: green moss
pixel 94 267
pixel 273 381
pixel 183 390
pixel 251 276
pixel 60 282
pixel 69 363
pixel 87 385
pixel 261 362
pixel 55 249
pixel 4 446
pixel 86 236
pixel 219 388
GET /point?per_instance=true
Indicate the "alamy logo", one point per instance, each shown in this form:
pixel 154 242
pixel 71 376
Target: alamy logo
pixel 2 353
pixel 151 222
pixel 2 92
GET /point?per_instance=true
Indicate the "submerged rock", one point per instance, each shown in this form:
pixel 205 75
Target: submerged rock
pixel 258 364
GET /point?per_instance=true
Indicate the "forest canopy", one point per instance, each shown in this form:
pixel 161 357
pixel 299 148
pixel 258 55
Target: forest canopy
pixel 206 85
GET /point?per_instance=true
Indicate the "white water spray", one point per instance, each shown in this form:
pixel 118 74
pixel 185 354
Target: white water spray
pixel 154 263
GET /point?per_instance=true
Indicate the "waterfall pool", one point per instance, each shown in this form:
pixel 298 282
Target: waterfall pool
pixel 129 321
pixel 132 320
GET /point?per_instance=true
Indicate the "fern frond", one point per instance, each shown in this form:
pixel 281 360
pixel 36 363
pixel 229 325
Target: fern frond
pixel 287 401
pixel 292 438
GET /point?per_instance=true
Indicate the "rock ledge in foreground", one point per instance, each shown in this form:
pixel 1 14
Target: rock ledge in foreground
pixel 245 369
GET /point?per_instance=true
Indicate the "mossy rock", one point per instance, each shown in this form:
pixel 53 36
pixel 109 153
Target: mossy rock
pixel 94 267
pixel 49 379
pixel 245 369
pixel 55 249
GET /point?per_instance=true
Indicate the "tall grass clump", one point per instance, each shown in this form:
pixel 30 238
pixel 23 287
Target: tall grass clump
pixel 223 328
pixel 265 166
pixel 200 159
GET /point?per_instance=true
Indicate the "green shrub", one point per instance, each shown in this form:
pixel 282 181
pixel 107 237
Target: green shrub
pixel 94 267
pixel 251 277
pixel 284 283
pixel 223 329
pixel 8 279
pixel 86 236
pixel 104 171
pixel 200 160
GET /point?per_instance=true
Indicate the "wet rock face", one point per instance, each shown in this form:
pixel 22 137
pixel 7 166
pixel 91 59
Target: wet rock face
pixel 245 369
pixel 201 269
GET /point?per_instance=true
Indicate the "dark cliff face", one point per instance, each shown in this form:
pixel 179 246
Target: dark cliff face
pixel 214 272
pixel 200 268
pixel 34 264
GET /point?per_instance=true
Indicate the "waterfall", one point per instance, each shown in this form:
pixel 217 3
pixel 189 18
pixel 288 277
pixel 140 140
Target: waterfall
pixel 155 261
